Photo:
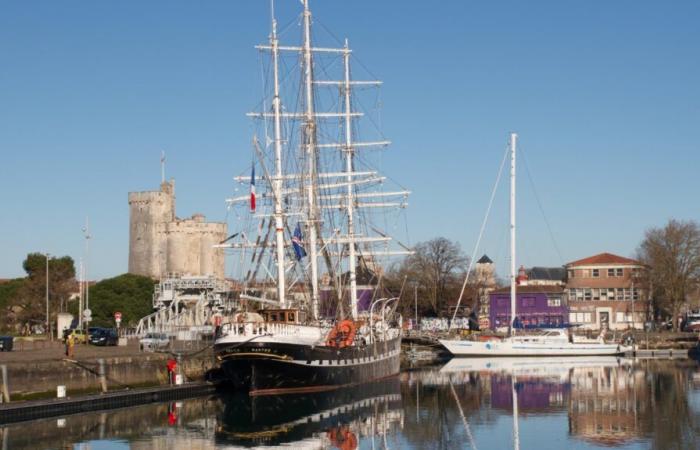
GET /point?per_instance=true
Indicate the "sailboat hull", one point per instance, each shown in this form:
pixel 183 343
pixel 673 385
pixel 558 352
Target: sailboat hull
pixel 267 368
pixel 511 348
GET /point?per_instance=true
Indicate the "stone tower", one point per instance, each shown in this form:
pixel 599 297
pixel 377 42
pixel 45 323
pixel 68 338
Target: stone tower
pixel 485 277
pixel 160 243
pixel 147 212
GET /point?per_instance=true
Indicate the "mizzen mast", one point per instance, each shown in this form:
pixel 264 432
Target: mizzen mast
pixel 349 151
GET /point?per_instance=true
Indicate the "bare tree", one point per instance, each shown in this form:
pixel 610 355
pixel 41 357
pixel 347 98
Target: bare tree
pixel 673 256
pixel 437 267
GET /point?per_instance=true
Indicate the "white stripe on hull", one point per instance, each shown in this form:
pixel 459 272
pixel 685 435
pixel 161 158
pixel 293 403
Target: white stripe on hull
pixel 504 348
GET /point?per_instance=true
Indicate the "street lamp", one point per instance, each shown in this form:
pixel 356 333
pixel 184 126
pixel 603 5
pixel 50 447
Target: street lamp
pixel 87 236
pixel 47 296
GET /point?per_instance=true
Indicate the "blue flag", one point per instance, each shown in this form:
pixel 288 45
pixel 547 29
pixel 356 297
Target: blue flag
pixel 297 243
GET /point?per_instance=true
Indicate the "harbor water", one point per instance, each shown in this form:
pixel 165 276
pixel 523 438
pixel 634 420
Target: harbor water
pixel 583 403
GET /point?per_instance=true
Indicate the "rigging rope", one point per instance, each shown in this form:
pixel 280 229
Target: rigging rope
pixel 539 204
pixel 481 234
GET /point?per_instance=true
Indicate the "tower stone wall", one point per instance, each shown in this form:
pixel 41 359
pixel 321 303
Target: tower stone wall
pixel 160 243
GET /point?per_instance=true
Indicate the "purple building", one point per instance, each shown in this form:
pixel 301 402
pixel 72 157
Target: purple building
pixel 536 306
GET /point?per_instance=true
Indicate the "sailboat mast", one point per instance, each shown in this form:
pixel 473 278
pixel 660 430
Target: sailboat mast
pixel 513 140
pixel 277 183
pixel 310 149
pixel 349 151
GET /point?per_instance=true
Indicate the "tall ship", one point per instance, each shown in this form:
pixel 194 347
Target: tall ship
pixel 313 231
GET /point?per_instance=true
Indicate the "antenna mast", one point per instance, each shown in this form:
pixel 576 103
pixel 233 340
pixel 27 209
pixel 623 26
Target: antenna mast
pixel 162 166
pixel 513 140
pixel 277 183
pixel 310 149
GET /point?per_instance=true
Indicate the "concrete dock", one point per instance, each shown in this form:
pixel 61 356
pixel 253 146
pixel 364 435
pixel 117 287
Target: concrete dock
pixel 38 409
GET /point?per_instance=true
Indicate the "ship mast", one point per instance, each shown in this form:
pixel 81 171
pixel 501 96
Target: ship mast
pixel 513 139
pixel 349 151
pixel 277 183
pixel 310 149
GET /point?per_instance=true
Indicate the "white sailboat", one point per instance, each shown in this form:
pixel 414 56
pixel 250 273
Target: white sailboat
pixel 553 342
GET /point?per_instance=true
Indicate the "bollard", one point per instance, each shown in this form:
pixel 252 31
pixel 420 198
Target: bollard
pixel 103 378
pixel 179 368
pixel 5 386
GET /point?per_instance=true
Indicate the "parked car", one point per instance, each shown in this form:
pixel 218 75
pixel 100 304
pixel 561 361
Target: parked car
pixel 91 330
pixel 6 343
pixel 154 341
pixel 103 336
pixel 79 336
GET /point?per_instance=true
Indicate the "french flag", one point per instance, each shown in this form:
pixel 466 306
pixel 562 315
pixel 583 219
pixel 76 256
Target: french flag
pixel 252 190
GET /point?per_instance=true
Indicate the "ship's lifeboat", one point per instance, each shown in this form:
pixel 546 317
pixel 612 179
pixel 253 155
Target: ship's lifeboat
pixel 342 335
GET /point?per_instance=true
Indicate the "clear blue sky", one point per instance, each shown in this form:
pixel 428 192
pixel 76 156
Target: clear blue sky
pixel 605 97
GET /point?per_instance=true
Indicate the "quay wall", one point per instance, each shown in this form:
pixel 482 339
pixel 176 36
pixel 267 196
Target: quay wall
pixel 38 379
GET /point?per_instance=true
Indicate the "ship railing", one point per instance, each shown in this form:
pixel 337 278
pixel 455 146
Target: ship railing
pixel 380 329
pixel 270 328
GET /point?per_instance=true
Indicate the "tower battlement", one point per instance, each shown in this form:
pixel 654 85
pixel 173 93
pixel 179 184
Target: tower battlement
pixel 161 243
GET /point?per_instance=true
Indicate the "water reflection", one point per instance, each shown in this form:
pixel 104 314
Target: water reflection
pixel 580 403
pixel 323 420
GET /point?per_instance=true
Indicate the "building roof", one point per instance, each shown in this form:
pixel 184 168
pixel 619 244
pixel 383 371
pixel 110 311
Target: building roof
pixel 546 273
pixel 484 260
pixel 604 258
pixel 530 289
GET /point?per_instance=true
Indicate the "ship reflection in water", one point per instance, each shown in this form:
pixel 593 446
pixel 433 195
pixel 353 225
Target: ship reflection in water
pixel 337 419
pixel 578 403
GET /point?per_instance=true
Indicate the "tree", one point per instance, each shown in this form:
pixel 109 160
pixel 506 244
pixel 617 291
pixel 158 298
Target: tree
pixel 130 294
pixel 9 291
pixel 673 256
pixel 437 269
pixel 31 297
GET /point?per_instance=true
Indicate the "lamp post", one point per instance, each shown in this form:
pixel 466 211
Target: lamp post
pixel 86 234
pixel 48 322
pixel 415 300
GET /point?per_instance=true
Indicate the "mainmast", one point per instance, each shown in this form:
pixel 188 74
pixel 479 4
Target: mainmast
pixel 513 139
pixel 349 151
pixel 277 183
pixel 310 149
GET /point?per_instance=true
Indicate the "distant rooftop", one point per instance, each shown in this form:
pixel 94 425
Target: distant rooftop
pixel 546 273
pixel 604 258
pixel 484 260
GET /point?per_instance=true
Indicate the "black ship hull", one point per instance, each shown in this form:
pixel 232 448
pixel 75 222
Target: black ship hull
pixel 265 368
